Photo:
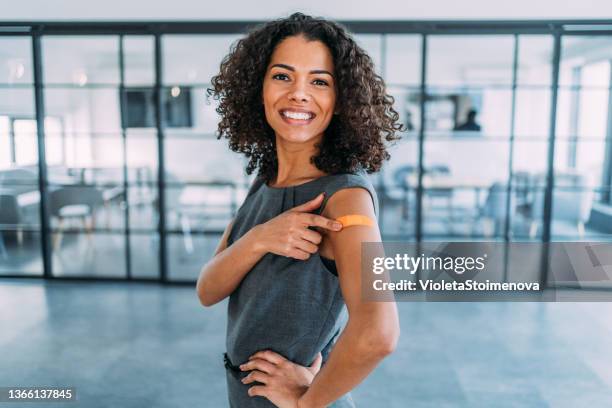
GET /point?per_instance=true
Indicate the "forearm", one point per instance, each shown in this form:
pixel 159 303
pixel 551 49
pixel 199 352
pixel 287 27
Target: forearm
pixel 224 272
pixel 353 357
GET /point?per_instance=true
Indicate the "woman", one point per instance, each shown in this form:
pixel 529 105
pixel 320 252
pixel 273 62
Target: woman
pixel 301 100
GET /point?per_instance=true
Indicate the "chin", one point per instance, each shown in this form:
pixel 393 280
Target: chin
pixel 297 137
pixel 293 136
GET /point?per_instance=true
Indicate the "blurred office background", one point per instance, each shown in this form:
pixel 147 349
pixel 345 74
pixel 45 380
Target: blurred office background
pixel 110 167
pixel 114 192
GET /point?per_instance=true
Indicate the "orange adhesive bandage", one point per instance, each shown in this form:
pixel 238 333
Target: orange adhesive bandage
pixel 355 219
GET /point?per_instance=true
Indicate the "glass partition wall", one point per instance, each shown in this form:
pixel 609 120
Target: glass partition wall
pixel 110 167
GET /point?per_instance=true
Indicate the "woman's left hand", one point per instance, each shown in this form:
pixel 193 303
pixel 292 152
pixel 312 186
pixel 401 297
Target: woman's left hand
pixel 284 382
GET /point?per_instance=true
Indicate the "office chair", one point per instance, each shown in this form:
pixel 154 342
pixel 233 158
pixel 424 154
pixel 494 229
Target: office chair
pixel 572 201
pixel 74 202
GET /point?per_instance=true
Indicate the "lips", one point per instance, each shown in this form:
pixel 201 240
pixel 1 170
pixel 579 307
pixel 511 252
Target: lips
pixel 300 115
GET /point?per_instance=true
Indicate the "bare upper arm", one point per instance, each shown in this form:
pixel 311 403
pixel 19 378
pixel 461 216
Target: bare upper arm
pixel 346 244
pixel 223 241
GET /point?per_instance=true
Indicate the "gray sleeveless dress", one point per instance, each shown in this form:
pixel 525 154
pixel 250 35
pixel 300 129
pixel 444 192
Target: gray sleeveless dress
pixel 286 305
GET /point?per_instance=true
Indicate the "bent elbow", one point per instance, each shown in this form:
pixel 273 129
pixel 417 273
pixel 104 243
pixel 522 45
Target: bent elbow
pixel 204 301
pixel 381 341
pixel 204 296
pixel 388 342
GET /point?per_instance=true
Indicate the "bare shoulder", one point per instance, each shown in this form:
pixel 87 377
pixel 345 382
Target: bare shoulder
pixel 353 200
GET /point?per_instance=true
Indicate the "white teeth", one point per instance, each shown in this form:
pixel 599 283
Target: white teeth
pixel 297 115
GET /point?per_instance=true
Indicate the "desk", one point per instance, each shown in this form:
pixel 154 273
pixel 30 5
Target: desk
pixel 445 184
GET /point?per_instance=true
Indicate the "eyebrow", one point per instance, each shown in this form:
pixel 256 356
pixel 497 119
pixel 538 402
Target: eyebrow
pixel 314 71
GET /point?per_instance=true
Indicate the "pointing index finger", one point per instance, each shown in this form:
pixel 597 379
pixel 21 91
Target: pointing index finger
pixel 320 221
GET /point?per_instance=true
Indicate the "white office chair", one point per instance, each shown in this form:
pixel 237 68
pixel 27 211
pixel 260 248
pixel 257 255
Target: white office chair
pixel 572 202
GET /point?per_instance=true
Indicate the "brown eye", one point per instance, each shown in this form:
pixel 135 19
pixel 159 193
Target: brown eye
pixel 320 82
pixel 279 76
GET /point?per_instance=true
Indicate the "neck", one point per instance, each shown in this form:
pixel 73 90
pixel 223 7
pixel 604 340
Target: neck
pixel 294 162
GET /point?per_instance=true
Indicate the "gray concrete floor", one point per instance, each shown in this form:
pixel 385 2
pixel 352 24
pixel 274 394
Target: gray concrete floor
pixel 145 345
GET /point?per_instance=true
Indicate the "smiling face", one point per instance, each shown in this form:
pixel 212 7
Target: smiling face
pixel 299 91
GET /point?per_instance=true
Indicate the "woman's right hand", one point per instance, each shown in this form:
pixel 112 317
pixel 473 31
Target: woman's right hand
pixel 288 234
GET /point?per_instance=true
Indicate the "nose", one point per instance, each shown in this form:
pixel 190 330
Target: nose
pixel 298 93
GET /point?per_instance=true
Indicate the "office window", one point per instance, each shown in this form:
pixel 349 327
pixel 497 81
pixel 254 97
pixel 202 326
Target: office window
pixel 81 78
pixel 20 249
pixel 205 180
pixel 467 125
pixel 486 128
pixel 139 60
pixel 16 61
pixel 79 61
pixel 397 187
pixel 582 188
pixel 531 136
pixel 372 45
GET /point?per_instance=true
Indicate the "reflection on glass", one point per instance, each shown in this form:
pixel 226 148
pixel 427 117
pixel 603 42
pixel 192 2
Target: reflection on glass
pixel 80 61
pixel 452 61
pixel 16 60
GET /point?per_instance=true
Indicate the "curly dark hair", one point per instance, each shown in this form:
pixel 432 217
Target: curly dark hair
pixel 355 136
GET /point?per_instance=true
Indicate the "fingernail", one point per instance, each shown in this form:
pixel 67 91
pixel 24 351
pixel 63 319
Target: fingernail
pixel 337 225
